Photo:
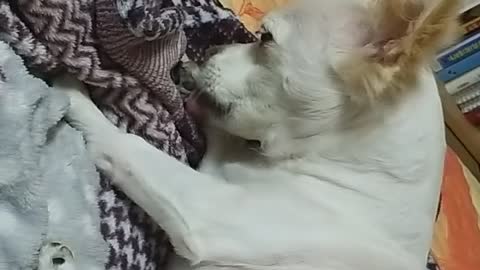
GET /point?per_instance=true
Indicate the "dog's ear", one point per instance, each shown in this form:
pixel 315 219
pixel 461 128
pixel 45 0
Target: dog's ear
pixel 403 36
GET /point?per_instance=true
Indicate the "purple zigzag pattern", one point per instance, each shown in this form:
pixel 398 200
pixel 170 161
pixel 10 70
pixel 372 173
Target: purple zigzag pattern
pixel 149 61
pixel 65 27
pixel 22 41
pixel 151 121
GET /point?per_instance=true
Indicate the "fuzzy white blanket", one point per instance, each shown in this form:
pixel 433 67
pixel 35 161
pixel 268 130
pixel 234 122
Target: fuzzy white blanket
pixel 49 217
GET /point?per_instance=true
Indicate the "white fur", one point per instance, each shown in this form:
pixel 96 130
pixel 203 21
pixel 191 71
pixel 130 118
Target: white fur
pixel 332 186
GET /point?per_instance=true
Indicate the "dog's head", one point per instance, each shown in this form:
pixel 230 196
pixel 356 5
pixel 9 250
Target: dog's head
pixel 319 63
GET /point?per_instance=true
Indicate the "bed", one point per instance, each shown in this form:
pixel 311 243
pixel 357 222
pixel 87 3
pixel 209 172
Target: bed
pixel 456 241
pixel 135 241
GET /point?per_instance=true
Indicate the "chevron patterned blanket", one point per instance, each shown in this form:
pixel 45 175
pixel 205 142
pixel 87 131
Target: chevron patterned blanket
pixel 126 58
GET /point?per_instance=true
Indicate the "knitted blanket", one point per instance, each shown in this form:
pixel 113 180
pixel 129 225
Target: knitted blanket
pixel 129 81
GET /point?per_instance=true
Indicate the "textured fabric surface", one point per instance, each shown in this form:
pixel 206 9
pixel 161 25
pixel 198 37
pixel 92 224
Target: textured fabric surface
pixel 23 204
pixel 151 61
pixel 62 35
pixel 456 243
pixel 48 184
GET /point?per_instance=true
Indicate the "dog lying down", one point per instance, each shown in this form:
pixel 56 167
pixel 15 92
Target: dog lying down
pixel 347 169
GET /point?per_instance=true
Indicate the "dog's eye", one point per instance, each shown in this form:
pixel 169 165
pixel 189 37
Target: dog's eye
pixel 266 37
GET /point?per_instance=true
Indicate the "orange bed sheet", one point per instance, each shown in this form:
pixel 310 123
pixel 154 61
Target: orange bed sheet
pixel 456 242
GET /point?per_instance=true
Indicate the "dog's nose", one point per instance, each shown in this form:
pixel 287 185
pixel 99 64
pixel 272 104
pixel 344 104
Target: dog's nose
pixel 213 51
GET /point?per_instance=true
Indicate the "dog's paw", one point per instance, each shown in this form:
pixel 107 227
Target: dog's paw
pixel 81 106
pixel 56 256
pixel 98 132
pixel 83 114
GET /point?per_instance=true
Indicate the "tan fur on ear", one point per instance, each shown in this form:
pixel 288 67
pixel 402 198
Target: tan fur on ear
pixel 405 36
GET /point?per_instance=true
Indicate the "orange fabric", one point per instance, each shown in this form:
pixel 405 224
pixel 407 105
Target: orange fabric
pixel 456 244
pixel 252 11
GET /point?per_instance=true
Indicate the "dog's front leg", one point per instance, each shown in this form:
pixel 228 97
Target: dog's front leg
pixel 181 200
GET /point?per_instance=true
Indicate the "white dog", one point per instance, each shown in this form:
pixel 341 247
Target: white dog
pixel 346 169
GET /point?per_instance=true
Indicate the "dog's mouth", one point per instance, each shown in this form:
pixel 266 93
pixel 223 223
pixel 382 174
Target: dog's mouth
pixel 201 104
